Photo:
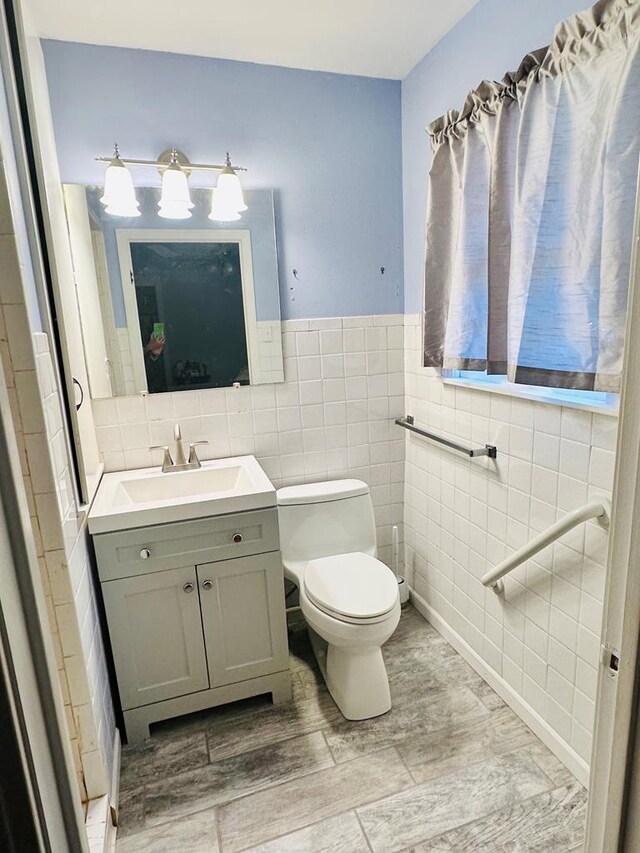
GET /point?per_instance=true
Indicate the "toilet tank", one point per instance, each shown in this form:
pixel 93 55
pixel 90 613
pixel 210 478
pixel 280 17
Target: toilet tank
pixel 322 519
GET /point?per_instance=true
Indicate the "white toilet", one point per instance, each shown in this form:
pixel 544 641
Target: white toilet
pixel 348 597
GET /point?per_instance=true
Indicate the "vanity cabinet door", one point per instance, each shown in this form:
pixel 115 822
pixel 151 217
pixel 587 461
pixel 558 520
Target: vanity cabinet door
pixel 156 636
pixel 243 615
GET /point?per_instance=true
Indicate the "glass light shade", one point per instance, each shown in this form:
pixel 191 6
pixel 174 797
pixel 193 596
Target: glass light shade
pixel 220 211
pixel 127 212
pixel 174 211
pixel 230 190
pixel 119 195
pixel 175 201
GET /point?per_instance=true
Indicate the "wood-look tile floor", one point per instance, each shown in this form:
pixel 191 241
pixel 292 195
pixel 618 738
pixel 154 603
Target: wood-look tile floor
pixel 450 769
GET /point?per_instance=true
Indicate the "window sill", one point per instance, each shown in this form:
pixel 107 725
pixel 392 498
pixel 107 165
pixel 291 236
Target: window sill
pixel 527 393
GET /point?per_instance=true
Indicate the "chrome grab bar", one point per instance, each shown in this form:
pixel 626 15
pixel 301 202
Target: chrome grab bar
pixel 600 509
pixel 488 450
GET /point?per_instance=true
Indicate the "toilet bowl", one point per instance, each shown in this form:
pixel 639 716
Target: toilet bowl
pixel 348 597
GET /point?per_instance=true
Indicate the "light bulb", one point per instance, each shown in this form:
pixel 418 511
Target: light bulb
pixel 119 195
pixel 230 189
pixel 175 200
pixel 221 212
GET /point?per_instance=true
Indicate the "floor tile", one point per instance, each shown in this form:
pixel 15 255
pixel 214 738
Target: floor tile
pixel 457 746
pixel 431 809
pixel 340 834
pixel 233 736
pixel 234 777
pixel 415 650
pixel 277 811
pixel 194 834
pixel 130 812
pixel 549 764
pixel 426 712
pixel 486 695
pixel 159 758
pixel 552 822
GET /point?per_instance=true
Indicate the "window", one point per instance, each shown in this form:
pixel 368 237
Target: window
pixel 593 400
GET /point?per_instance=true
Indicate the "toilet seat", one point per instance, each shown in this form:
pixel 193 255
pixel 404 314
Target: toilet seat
pixel 353 587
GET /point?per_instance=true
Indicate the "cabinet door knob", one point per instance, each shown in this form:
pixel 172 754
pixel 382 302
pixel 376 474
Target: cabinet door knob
pixel 207 584
pixel 237 537
pixel 188 587
pixel 145 554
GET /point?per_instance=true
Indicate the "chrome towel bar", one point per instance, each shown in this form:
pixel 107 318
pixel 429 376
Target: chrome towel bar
pixel 489 450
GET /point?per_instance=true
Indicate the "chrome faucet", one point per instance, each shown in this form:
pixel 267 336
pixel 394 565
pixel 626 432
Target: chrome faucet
pixel 181 462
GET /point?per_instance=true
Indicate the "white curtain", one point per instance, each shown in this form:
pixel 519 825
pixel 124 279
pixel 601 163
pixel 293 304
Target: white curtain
pixel 532 194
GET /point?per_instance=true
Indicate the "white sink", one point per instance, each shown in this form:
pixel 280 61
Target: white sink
pixel 147 496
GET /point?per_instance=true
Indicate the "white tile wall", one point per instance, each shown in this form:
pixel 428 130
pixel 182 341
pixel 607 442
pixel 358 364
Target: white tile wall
pixel 123 367
pixel 331 418
pixel 73 587
pixel 269 337
pixel 464 516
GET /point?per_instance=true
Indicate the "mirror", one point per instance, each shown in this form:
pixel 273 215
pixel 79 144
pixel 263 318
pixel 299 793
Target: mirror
pixel 174 305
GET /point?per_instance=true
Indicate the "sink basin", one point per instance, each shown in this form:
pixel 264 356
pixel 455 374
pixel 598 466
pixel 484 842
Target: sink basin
pixel 182 484
pixel 146 496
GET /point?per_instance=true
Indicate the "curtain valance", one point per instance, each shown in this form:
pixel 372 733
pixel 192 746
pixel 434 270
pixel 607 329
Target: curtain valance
pixel 530 213
pixel 578 39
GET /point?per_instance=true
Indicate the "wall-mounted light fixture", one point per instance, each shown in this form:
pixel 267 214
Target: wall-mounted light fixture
pixel 119 198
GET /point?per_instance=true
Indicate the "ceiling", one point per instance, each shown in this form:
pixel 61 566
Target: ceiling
pixel 375 38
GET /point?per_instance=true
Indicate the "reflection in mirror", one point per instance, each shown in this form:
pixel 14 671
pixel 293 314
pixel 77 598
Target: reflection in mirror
pixel 194 305
pixel 172 280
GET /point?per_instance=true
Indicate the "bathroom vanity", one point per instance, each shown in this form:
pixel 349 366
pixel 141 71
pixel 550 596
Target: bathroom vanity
pixel 192 582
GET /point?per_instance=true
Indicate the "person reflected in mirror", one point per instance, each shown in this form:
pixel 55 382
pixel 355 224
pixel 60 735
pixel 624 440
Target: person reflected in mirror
pixel 154 367
pixel 155 346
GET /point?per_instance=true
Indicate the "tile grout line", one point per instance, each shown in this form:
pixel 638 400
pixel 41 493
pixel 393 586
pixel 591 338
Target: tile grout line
pixel 219 832
pixel 331 752
pixel 364 832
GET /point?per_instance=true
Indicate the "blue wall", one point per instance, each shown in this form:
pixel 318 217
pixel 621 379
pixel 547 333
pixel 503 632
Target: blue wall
pixel 489 41
pixel 328 144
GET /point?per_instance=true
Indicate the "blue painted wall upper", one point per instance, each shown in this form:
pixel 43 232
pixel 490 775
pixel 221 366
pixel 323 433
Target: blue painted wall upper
pixel 328 144
pixel 489 41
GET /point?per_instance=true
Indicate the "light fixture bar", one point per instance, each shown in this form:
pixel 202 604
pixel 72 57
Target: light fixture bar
pixel 201 167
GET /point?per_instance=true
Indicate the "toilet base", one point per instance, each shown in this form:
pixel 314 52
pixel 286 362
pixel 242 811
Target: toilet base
pixel 355 677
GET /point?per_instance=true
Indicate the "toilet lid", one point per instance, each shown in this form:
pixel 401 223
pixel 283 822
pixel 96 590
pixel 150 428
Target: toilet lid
pixel 353 585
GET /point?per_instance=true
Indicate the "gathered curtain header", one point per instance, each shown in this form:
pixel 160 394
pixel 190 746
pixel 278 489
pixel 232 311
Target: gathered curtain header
pixel 577 39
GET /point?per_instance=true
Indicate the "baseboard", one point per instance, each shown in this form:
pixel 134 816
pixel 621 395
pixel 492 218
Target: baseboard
pixel 98 825
pixel 114 794
pixel 527 714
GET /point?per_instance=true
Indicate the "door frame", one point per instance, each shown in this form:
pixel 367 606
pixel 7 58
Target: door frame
pixel 616 704
pixel 28 659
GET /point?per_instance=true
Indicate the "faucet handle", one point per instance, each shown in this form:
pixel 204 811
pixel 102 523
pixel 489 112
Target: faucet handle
pixel 193 455
pixel 167 461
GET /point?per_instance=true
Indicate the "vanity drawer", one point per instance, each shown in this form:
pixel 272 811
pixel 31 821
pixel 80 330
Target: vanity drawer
pixel 167 546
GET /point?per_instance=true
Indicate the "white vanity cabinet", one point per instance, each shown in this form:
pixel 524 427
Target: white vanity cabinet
pixel 196 614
